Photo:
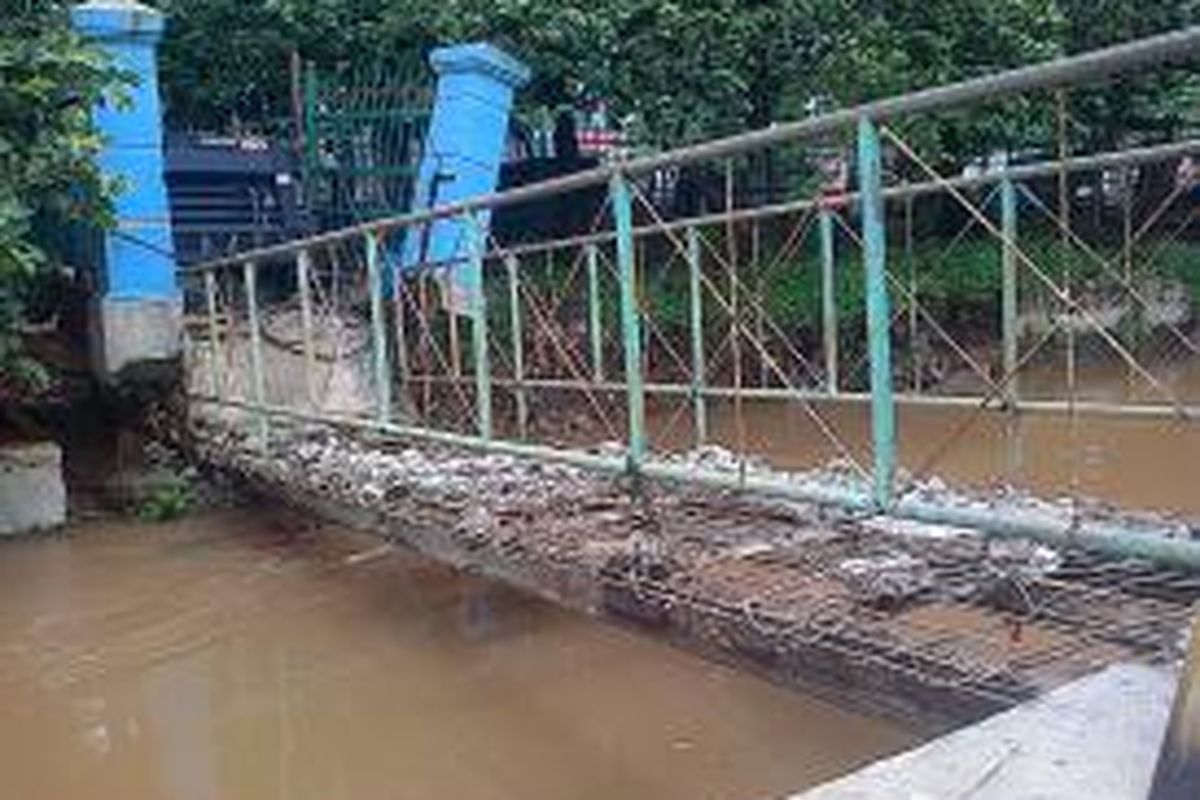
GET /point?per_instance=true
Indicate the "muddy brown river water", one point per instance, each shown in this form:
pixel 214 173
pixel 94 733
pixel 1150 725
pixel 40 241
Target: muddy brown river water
pixel 251 654
pixel 1135 463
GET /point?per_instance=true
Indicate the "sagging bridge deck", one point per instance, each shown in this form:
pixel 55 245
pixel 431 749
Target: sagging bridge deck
pixel 929 624
pixel 833 580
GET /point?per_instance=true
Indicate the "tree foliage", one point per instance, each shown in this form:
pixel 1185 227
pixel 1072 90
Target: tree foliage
pixel 1155 105
pixel 49 179
pixel 681 71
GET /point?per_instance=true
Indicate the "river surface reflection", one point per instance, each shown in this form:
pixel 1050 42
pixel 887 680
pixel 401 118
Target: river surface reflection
pixel 251 654
pixel 1136 463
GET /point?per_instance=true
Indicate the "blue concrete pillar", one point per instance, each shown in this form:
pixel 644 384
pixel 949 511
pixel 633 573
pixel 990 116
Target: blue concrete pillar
pixel 139 310
pixel 464 148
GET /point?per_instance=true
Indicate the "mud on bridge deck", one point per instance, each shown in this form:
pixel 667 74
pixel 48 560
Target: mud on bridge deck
pixel 931 624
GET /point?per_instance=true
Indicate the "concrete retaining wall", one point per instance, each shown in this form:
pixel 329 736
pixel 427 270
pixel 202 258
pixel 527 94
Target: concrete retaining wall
pixel 1095 739
pixel 32 494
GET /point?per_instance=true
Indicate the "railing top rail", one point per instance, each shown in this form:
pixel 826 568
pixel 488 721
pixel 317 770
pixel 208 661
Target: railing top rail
pixel 1016 172
pixel 1155 50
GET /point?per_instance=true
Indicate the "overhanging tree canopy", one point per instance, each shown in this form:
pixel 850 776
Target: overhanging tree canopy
pixel 49 180
pixel 682 71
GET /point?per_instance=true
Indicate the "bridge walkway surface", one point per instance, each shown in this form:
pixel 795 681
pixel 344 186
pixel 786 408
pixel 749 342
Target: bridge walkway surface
pixel 933 625
pixel 436 403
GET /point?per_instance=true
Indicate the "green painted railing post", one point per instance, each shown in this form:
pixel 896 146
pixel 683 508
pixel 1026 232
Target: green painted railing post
pixel 829 315
pixel 214 349
pixel 1008 301
pixel 699 404
pixel 631 334
pixel 595 318
pixel 883 409
pixel 403 365
pixel 311 147
pixel 479 325
pixel 303 270
pixel 258 382
pixel 518 344
pixel 379 352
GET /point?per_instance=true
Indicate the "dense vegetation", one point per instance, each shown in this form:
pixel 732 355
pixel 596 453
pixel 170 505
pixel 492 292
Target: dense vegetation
pixel 671 71
pixel 958 285
pixel 48 175
pixel 679 71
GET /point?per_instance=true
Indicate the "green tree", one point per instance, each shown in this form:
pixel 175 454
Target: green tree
pixel 49 179
pixel 1151 107
pixel 225 63
pixel 683 71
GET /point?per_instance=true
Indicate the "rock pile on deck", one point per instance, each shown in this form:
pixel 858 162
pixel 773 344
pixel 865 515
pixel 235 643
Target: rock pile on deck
pixel 806 592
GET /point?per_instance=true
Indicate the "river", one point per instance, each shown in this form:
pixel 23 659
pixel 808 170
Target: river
pixel 251 653
pixel 1135 463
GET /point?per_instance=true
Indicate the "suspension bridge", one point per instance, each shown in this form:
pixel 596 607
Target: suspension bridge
pixel 628 418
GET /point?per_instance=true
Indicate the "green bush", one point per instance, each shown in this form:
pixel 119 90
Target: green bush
pixel 49 179
pixel 168 500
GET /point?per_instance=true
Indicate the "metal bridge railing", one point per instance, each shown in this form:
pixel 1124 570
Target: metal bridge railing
pixel 620 336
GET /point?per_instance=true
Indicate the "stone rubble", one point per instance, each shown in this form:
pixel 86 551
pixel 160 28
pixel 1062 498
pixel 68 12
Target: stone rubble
pixel 823 574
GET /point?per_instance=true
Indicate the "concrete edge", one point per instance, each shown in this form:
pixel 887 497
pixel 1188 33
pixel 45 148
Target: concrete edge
pixel 1094 739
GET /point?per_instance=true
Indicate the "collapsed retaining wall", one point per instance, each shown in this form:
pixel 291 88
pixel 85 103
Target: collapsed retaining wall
pixel 932 625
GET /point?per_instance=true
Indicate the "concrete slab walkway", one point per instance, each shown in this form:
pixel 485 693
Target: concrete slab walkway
pixel 1095 739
